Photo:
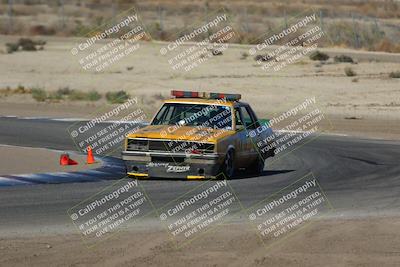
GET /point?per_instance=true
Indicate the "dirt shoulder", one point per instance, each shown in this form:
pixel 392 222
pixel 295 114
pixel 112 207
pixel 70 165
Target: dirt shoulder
pixel 22 160
pixel 333 242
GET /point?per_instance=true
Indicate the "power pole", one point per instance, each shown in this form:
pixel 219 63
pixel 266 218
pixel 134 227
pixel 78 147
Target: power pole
pixel 114 12
pixel 161 21
pixel 246 20
pixel 321 20
pixel 285 18
pixel 61 11
pixel 10 16
pixel 356 36
pixel 206 8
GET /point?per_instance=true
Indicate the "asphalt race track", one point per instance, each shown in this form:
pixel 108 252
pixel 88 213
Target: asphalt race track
pixel 359 177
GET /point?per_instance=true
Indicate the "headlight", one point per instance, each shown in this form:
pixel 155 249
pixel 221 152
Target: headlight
pixel 137 144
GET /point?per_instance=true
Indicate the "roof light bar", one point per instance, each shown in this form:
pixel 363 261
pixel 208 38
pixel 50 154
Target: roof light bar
pixel 189 94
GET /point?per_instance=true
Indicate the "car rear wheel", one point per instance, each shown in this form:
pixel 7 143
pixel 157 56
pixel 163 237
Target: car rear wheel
pixel 228 167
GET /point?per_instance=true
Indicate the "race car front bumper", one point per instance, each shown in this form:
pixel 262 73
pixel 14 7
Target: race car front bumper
pixel 172 165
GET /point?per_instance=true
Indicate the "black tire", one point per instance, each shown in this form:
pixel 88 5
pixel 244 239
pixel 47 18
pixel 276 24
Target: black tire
pixel 258 166
pixel 228 166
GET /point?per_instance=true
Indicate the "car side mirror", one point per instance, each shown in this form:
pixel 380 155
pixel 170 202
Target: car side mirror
pixel 264 122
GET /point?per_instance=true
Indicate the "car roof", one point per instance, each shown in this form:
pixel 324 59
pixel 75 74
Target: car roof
pixel 205 101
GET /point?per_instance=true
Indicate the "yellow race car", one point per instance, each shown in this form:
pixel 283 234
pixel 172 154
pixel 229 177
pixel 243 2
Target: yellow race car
pixel 199 135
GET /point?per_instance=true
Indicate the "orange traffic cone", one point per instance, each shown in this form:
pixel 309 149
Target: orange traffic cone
pixel 65 160
pixel 72 162
pixel 90 157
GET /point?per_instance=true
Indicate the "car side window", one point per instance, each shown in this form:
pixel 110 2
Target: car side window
pixel 238 119
pixel 256 123
pixel 248 120
pixel 160 115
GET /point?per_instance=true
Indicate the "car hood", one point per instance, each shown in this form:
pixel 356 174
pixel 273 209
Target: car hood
pixel 187 133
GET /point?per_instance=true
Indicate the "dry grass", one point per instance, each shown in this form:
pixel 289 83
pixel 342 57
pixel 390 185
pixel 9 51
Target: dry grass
pixel 15 91
pixel 41 95
pixel 394 74
pixel 268 92
pixel 349 72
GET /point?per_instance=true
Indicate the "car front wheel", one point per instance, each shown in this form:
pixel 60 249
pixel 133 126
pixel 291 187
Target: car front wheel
pixel 228 167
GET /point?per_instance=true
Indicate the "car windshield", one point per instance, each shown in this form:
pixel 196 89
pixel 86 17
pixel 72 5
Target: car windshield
pixel 182 114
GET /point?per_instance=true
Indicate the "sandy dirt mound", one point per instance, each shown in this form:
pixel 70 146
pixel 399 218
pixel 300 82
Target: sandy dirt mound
pixel 361 242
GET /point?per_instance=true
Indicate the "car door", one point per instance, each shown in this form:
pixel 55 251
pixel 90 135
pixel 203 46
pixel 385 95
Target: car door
pixel 259 135
pixel 245 150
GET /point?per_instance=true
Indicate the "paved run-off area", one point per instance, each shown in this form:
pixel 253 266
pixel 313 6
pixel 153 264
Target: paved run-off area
pixel 359 177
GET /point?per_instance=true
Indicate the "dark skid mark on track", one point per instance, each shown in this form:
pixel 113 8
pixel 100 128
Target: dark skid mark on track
pixel 365 161
pixel 246 175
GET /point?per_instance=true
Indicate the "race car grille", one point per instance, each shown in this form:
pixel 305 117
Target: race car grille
pixel 173 146
pixel 180 146
pixel 137 144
